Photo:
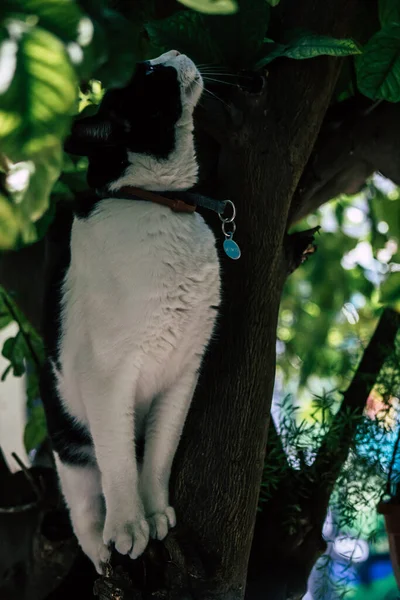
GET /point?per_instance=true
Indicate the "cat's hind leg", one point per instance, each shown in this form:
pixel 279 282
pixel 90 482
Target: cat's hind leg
pixel 81 487
pixel 164 427
pixel 77 470
pixel 109 396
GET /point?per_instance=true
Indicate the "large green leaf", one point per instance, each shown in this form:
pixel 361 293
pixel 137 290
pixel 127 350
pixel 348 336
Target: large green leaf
pixel 308 46
pixel 378 68
pixel 36 108
pixel 273 2
pixel 36 428
pixel 389 11
pixel 212 7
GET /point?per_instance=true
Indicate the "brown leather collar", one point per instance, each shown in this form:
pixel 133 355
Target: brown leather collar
pixel 173 203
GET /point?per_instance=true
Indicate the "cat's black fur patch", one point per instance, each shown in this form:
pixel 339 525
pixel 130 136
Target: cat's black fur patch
pixel 129 119
pixel 68 439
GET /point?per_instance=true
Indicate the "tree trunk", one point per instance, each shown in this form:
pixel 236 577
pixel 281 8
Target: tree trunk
pixel 219 463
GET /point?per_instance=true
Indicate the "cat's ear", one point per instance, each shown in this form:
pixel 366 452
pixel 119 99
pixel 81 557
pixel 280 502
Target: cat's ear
pixel 90 133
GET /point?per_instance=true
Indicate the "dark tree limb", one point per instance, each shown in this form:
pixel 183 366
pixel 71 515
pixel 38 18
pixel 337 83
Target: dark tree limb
pixel 331 455
pixel 358 137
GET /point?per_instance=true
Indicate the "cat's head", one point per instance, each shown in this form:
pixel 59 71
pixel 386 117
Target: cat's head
pixel 142 134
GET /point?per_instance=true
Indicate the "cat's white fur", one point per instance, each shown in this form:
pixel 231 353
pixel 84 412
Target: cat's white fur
pixel 137 317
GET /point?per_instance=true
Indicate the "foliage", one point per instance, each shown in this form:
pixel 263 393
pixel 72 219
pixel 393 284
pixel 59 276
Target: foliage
pixel 308 46
pixel 328 312
pixel 378 69
pixel 25 353
pixel 324 326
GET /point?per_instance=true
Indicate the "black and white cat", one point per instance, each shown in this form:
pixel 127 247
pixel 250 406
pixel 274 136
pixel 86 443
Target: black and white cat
pixel 133 311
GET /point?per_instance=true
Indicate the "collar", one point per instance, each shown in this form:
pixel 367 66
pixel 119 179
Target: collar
pixel 183 202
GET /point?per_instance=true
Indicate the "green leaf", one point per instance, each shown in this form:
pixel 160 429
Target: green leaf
pixel 36 428
pixel 212 7
pixel 14 349
pixel 378 69
pixel 63 18
pixel 9 224
pixel 30 184
pixel 27 345
pixel 37 107
pixel 389 11
pixel 390 290
pixel 308 46
pixel 273 2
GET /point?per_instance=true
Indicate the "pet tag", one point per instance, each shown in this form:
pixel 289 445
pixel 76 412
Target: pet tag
pixel 231 249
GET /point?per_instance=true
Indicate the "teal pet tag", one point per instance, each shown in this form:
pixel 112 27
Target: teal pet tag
pixel 231 249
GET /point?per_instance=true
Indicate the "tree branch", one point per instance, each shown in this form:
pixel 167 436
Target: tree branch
pixel 357 138
pixel 331 453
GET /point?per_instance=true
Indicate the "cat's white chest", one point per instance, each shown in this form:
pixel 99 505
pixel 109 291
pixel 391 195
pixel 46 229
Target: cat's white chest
pixel 140 293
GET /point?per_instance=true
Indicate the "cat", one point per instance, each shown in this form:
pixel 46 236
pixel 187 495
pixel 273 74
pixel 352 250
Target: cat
pixel 130 311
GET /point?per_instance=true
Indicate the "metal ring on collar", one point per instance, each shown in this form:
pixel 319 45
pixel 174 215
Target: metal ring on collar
pixel 228 219
pixel 228 233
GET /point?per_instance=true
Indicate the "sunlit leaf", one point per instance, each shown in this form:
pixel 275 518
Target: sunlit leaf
pixel 63 18
pixel 378 68
pixel 35 110
pixel 212 7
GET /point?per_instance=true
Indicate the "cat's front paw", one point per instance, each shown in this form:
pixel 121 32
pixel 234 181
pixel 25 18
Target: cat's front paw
pixel 129 536
pixel 161 522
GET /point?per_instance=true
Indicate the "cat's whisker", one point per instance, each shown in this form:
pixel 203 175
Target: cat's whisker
pixel 204 74
pixel 219 81
pixel 216 97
